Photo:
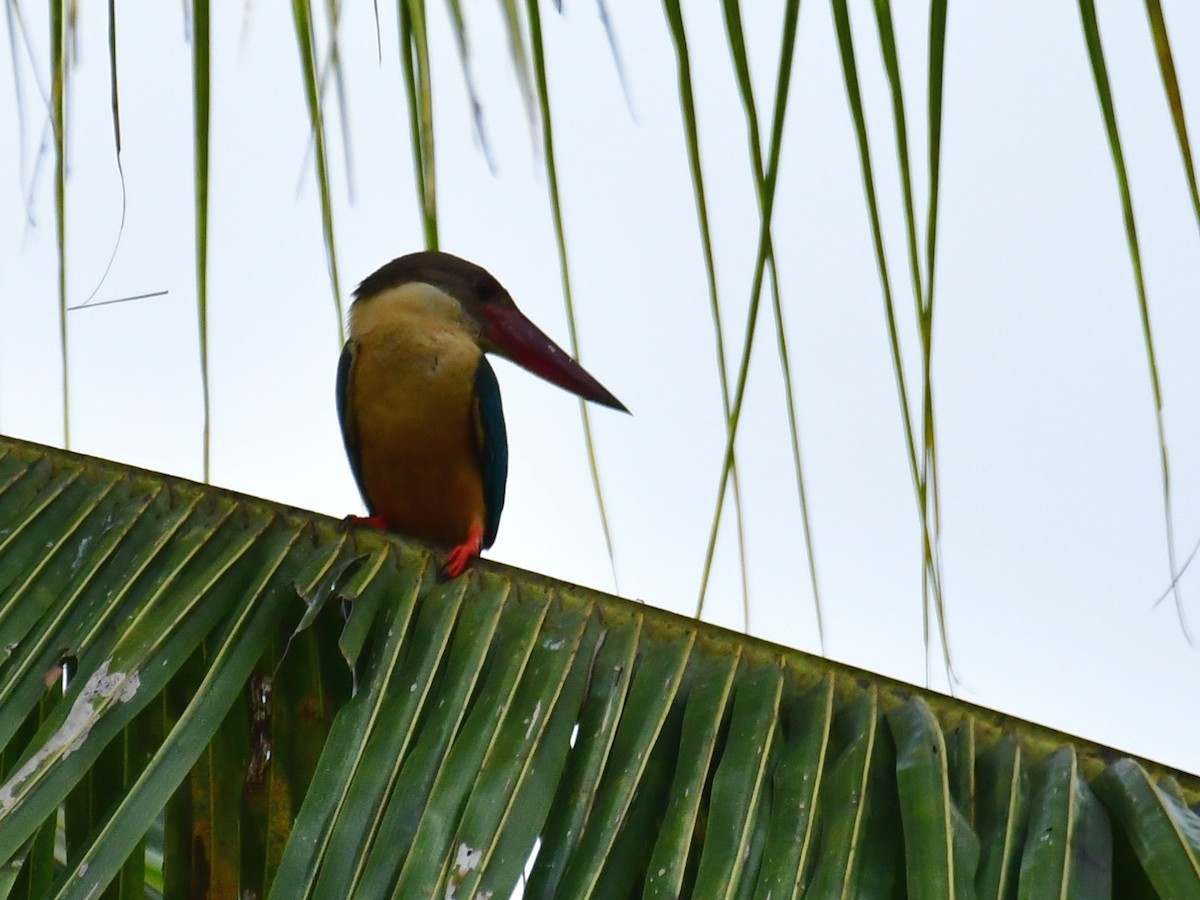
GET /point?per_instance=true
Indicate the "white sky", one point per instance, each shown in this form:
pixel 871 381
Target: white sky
pixel 1053 528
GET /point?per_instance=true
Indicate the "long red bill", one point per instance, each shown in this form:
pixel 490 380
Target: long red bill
pixel 515 337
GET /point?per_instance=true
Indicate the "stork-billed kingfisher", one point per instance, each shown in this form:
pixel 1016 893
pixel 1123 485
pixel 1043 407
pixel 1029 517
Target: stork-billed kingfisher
pixel 420 406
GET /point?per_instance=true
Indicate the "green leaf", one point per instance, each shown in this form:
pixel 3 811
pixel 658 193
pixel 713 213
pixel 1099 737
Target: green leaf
pixel 916 450
pixel 1166 67
pixel 58 123
pixel 652 694
pixel 739 787
pixel 790 854
pixel 765 180
pixel 532 802
pixel 609 680
pixel 1091 33
pixel 702 718
pixel 123 670
pixel 431 733
pixel 1165 834
pixel 941 849
pixel 1001 817
pixel 961 758
pixel 236 646
pixel 414 54
pixel 50 608
pixel 1068 850
pixel 560 237
pixel 306 44
pixel 860 838
pixel 433 846
pixel 464 61
pixel 340 815
pixel 494 793
pixel 201 97
pixel 687 105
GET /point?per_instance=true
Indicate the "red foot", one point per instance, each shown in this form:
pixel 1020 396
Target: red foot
pixel 457 561
pixel 370 521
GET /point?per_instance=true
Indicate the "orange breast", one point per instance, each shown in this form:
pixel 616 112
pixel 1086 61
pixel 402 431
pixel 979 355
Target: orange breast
pixel 413 393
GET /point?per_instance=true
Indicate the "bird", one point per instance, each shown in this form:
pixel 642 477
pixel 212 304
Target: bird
pixel 419 404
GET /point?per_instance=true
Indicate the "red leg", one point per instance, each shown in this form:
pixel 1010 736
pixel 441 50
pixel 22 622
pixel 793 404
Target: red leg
pixel 457 561
pixel 372 521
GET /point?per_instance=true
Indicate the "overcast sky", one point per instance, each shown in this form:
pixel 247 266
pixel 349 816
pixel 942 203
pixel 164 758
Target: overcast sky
pixel 1053 547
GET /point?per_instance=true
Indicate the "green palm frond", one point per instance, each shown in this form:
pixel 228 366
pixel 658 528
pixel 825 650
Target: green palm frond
pixel 59 69
pixel 302 18
pixel 201 120
pixel 1091 33
pixel 260 699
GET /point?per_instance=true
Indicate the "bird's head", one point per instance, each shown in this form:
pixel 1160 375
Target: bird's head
pixel 499 327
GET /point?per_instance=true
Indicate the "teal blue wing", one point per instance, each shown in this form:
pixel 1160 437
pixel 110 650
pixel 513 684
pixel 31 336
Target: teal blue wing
pixel 345 408
pixel 493 447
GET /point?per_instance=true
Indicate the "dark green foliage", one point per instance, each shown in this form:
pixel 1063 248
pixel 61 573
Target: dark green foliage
pixel 274 703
